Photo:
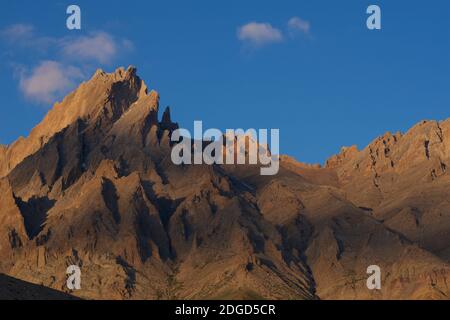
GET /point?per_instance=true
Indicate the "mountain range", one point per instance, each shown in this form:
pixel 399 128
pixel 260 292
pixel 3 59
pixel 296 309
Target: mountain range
pixel 93 185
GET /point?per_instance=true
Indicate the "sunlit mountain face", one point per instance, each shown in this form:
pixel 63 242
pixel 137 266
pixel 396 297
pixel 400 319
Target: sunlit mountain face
pixel 192 151
pixel 94 186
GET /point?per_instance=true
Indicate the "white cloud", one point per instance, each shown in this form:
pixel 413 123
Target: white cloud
pixel 49 81
pixel 100 47
pixel 259 34
pixel 61 62
pixel 24 36
pixel 296 24
pixel 17 31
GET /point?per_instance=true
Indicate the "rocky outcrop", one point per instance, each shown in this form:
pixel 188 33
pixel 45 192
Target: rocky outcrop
pixel 101 101
pixel 405 182
pixel 93 185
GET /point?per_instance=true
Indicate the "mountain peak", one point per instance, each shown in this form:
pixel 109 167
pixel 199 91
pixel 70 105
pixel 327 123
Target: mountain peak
pixel 166 116
pixel 94 185
pixel 119 74
pixel 103 98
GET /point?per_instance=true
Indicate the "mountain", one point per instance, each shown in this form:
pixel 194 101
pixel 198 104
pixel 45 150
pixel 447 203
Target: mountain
pixel 94 185
pixel 14 289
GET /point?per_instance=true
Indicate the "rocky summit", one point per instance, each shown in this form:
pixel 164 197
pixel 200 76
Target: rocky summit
pixel 93 185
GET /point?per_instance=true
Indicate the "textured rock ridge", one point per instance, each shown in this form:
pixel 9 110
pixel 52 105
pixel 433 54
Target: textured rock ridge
pixel 93 185
pixel 100 101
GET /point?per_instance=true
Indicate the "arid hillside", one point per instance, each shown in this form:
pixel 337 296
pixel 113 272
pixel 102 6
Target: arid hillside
pixel 94 185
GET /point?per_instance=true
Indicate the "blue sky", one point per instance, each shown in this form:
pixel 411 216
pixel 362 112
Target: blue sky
pixel 325 81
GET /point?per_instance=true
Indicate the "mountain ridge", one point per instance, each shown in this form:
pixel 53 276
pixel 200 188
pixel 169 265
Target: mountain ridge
pixel 96 188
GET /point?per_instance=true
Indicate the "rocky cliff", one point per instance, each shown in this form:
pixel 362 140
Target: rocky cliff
pixel 94 185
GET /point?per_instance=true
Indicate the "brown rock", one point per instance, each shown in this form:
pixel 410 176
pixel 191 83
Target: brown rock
pixel 93 185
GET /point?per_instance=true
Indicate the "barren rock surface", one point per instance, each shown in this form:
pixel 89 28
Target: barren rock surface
pixel 93 185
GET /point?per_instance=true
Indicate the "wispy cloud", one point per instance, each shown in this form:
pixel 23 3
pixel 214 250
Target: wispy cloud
pixel 297 25
pixel 99 47
pixel 24 36
pixel 17 31
pixel 48 81
pixel 59 62
pixel 259 34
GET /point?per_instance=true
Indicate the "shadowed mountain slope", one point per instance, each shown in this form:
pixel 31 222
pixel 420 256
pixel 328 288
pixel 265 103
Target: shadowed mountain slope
pixel 14 289
pixel 94 185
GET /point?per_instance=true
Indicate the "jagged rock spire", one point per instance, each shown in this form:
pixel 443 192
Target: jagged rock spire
pixel 102 99
pixel 166 116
